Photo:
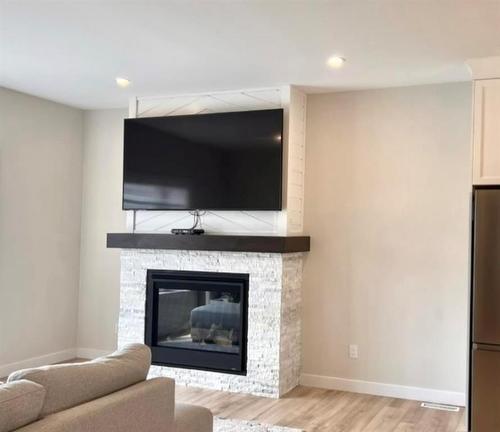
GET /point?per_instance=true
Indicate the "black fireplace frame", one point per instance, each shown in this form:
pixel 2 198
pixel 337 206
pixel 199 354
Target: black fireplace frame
pixel 190 358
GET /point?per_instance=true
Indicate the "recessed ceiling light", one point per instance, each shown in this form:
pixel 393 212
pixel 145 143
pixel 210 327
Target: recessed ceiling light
pixel 335 62
pixel 122 82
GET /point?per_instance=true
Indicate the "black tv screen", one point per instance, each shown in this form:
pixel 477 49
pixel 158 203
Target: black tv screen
pixel 225 161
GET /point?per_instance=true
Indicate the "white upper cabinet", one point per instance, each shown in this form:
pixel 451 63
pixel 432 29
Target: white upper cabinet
pixel 486 138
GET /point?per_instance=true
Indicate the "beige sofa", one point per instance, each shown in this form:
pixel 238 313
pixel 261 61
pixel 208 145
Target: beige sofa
pixel 109 394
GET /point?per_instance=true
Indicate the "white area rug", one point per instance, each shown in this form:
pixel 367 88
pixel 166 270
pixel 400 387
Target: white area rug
pixel 227 425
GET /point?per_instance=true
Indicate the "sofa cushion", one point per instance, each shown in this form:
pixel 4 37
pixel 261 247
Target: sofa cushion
pixel 68 385
pixel 192 418
pixel 147 406
pixel 20 404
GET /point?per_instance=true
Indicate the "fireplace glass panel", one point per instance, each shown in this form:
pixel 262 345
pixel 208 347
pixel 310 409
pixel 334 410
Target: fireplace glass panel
pixel 197 320
pixel 202 320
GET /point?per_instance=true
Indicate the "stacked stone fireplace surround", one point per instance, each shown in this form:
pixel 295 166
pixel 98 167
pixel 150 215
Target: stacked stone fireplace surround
pixel 274 323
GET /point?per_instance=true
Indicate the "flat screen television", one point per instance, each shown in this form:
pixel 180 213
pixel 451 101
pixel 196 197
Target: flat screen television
pixel 224 161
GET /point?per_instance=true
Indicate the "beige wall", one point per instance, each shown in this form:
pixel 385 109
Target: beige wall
pixel 387 206
pixel 40 202
pixel 101 213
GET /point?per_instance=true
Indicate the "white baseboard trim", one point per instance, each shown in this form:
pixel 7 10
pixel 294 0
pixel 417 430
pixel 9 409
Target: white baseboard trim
pixel 382 389
pixel 91 353
pixel 43 360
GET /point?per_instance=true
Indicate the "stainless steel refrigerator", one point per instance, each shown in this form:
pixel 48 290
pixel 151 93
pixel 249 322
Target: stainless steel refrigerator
pixel 485 334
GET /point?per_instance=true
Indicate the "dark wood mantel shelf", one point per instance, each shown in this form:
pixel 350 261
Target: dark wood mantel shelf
pixel 206 242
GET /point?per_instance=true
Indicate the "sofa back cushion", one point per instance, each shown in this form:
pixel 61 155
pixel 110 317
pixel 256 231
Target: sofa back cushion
pixel 68 385
pixel 20 404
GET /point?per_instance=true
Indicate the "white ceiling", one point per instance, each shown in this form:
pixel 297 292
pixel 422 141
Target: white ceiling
pixel 71 51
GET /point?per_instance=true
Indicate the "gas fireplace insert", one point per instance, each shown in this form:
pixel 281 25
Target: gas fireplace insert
pixel 197 320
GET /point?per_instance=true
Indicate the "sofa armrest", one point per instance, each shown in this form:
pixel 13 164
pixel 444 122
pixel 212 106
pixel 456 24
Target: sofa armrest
pixel 146 407
pixel 191 418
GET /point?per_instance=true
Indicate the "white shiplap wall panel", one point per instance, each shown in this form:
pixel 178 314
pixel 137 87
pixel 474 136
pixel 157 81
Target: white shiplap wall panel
pixel 296 161
pixel 210 103
pixel 216 222
pixel 241 222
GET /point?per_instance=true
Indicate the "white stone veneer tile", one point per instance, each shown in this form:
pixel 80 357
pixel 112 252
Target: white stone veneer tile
pixel 274 320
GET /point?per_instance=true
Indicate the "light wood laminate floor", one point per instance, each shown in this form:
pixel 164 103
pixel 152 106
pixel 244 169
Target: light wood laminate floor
pixel 322 410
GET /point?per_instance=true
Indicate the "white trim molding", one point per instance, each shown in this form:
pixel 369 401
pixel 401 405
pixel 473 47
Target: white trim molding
pixel 383 389
pixel 484 68
pixel 43 360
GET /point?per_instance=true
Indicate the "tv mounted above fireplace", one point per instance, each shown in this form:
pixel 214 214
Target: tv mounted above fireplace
pixel 223 161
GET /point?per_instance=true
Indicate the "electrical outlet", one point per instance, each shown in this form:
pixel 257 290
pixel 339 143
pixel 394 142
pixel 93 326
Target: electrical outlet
pixel 353 351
